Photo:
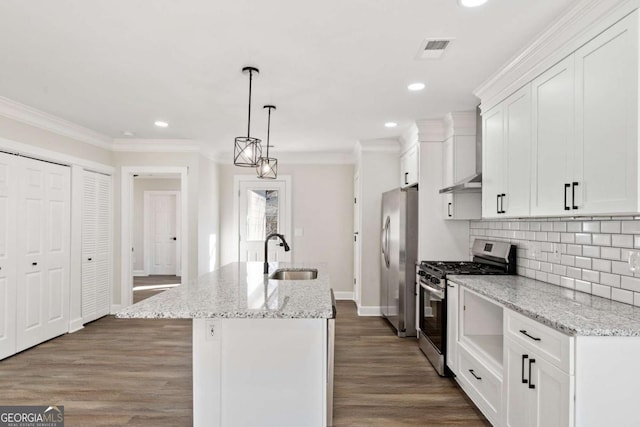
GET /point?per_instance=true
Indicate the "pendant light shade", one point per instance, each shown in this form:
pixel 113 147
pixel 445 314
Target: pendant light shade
pixel 268 166
pixel 247 150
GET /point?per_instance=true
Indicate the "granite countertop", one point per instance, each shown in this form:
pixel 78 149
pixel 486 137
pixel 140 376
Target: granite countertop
pixel 240 290
pixel 569 311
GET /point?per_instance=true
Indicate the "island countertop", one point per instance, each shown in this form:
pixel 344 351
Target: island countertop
pixel 567 310
pixel 240 290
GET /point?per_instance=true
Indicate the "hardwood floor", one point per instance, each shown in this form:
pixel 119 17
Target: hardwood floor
pixel 122 372
pixel 156 279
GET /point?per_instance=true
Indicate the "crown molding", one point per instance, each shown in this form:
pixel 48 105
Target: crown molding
pixel 431 130
pixel 155 145
pixel 459 123
pixel 409 138
pixel 576 26
pixel 33 117
pixel 382 145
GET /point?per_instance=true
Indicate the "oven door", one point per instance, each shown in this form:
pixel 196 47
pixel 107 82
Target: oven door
pixel 432 318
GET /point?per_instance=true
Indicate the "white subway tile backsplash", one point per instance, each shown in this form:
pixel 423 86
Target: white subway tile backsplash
pixel 591 276
pixel 574 227
pixel 574 273
pixel 582 286
pixel 631 227
pixel 560 226
pixel 567 282
pixel 601 265
pixel 610 253
pixel 610 226
pixel 630 283
pixel 610 279
pixel 591 227
pixel 601 291
pixel 622 295
pixel 583 239
pixel 591 251
pixel 602 239
pixel 582 262
pixel 622 240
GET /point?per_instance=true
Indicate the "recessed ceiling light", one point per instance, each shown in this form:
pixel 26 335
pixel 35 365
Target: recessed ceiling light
pixel 471 3
pixel 161 124
pixel 415 86
pixel 390 124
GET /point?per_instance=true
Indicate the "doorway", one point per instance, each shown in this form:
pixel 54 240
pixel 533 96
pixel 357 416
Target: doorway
pixel 262 207
pixel 154 231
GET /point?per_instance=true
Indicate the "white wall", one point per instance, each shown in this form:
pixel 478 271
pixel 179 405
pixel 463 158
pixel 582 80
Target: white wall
pixel 208 216
pixel 378 172
pixel 322 204
pixel 140 185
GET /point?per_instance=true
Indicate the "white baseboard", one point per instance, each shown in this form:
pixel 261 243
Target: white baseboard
pixel 369 311
pixel 115 308
pixel 140 273
pixel 75 325
pixel 343 296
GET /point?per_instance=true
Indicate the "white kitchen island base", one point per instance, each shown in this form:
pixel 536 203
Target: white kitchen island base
pixel 259 372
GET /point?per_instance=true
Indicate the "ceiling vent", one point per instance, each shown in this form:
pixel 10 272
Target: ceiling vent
pixel 433 48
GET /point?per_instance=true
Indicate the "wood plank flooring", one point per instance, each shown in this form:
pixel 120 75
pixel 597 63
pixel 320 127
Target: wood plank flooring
pixel 122 372
pixel 155 279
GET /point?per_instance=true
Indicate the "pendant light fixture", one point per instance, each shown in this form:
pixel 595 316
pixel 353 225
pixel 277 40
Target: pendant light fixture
pixel 247 150
pixel 268 166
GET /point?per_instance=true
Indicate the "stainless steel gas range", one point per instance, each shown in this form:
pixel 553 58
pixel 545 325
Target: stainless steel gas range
pixel 489 257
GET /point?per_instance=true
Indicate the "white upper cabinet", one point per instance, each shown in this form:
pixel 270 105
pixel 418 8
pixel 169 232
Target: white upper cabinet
pixel 552 125
pixel 506 154
pixel 585 119
pixel 409 167
pixel 606 107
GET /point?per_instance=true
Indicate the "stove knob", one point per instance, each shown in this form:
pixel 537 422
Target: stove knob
pixel 421 273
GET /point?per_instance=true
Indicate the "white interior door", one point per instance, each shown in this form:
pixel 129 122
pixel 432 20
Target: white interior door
pixel 42 252
pixel 163 218
pixel 8 191
pixel 356 239
pixel 264 208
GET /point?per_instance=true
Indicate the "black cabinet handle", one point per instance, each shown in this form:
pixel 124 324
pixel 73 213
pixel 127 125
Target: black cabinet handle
pixel 497 203
pixel 531 362
pixel 573 194
pixel 449 209
pixel 524 332
pixel 34 263
pixel 502 203
pixel 566 186
pixel 89 259
pixel 524 380
pixel 406 177
pixel 474 374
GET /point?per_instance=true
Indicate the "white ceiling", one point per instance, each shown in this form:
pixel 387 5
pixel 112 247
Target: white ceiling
pixel 335 69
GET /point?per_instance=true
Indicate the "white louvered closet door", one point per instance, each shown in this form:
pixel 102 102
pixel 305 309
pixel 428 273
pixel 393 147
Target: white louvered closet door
pixel 96 246
pixel 43 224
pixel 8 190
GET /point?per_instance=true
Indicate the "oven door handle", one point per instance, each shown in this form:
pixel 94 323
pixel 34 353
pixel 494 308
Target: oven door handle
pixel 437 292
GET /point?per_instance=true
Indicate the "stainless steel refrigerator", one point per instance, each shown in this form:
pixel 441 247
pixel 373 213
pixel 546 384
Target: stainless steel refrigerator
pixel 399 251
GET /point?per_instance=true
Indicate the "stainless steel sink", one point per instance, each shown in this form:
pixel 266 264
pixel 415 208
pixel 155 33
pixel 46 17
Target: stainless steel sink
pixel 297 274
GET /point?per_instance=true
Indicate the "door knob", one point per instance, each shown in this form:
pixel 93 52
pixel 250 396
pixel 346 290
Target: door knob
pixel 174 238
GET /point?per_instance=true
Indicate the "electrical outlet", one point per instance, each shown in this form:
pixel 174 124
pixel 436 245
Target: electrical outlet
pixel 211 330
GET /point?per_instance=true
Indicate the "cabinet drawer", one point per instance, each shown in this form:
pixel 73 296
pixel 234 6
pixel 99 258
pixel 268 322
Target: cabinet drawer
pixel 480 384
pixel 554 346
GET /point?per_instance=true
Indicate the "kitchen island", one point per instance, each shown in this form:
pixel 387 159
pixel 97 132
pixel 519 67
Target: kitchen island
pixel 260 346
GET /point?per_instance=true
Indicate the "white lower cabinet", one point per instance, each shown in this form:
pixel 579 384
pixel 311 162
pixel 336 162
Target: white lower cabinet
pixel 452 325
pixel 536 393
pixel 480 383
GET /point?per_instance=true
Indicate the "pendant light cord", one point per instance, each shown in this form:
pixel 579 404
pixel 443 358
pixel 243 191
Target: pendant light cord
pixel 268 131
pixel 249 121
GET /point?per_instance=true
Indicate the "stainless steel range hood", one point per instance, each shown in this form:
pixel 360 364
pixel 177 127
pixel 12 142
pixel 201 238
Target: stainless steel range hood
pixel 473 183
